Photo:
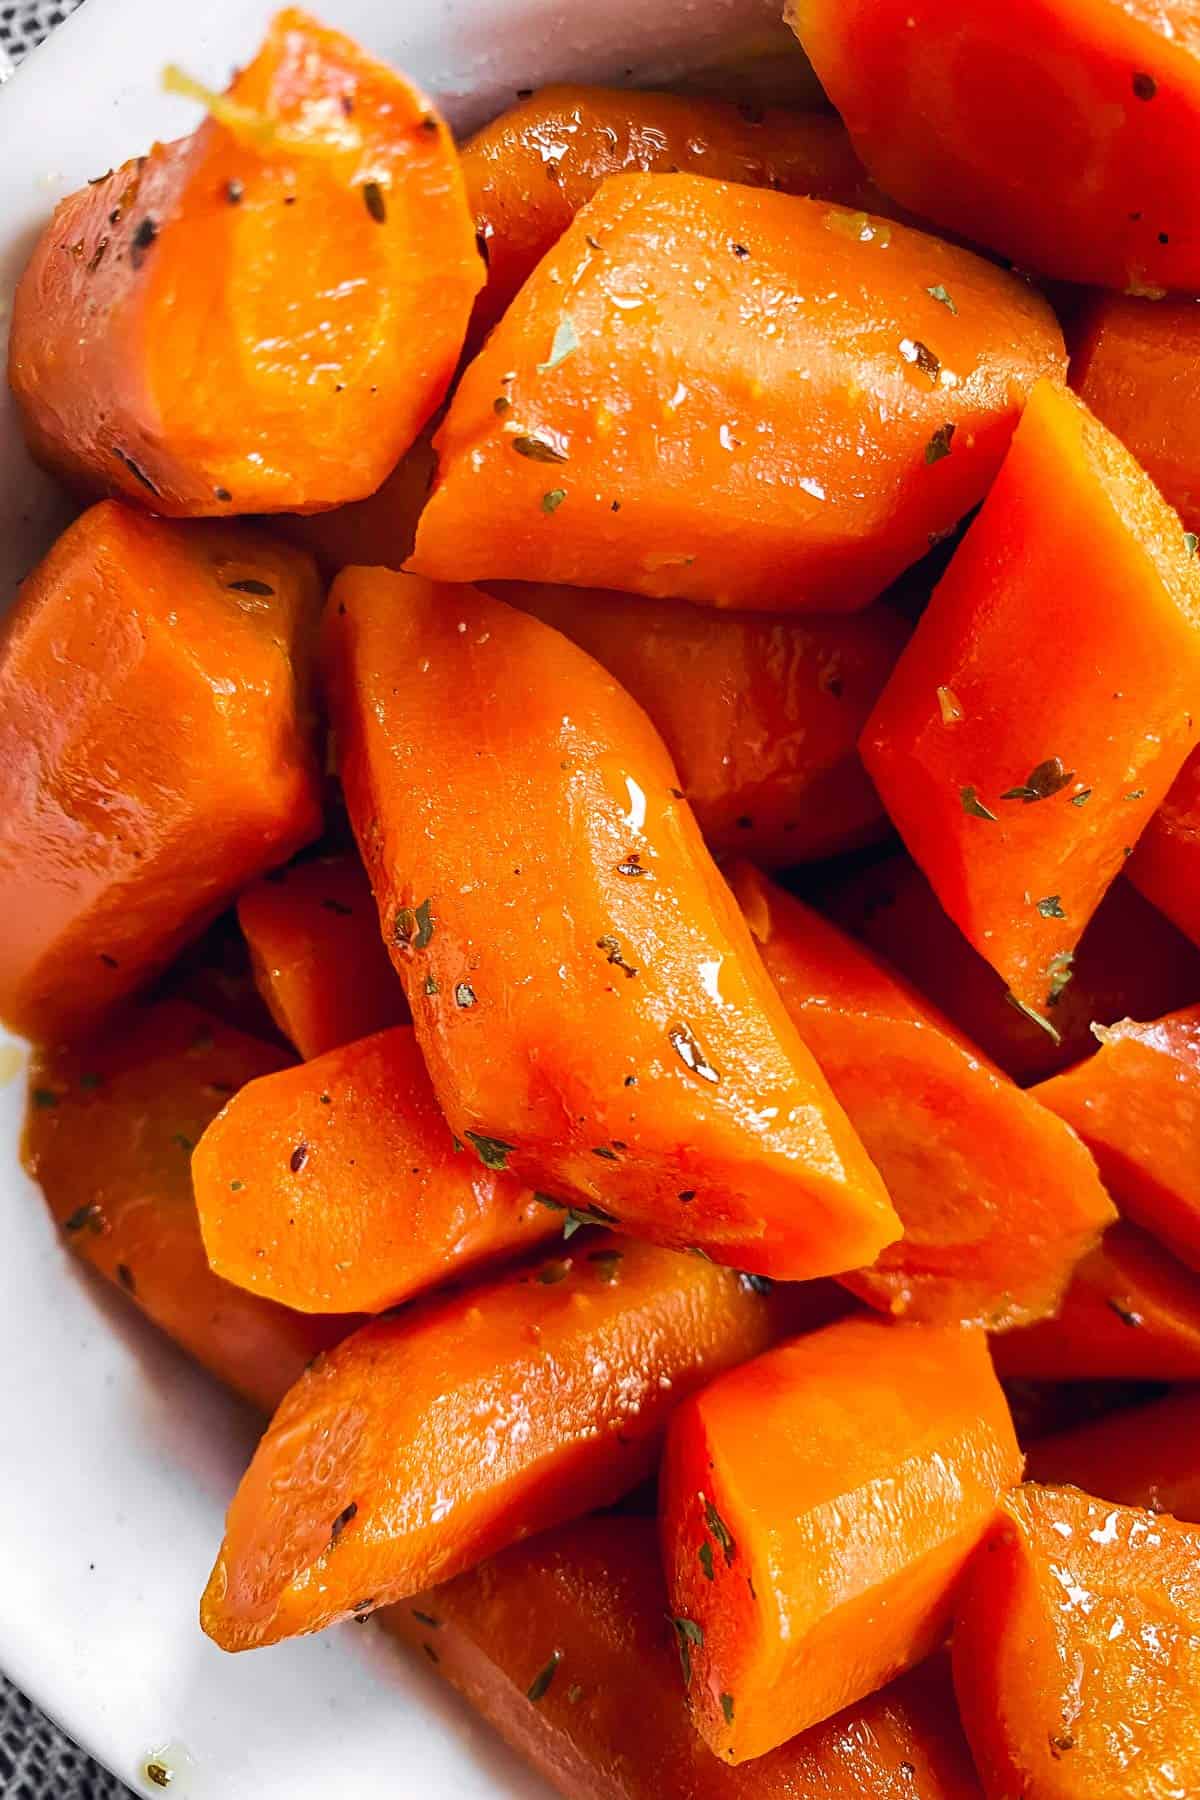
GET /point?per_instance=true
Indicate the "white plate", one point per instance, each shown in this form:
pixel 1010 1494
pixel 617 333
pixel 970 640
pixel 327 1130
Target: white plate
pixel 116 1457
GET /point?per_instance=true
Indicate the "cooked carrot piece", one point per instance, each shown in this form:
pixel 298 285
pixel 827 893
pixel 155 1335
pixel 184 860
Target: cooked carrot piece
pixel 761 715
pixel 307 253
pixel 565 1647
pixel 732 396
pixel 586 994
pixel 1140 1455
pixel 984 117
pixel 998 1200
pixel 155 750
pixel 1132 1312
pixel 427 1441
pixel 1021 797
pixel 1076 1656
pixel 336 1186
pixel 529 171
pixel 817 1507
pixel 320 963
pixel 379 531
pixel 1130 963
pixel 1166 863
pixel 109 1136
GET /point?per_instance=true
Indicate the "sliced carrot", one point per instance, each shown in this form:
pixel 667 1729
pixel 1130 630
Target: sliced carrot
pixel 817 1507
pixel 155 750
pixel 308 253
pixel 983 117
pixel 1166 863
pixel 1022 797
pixel 586 994
pixel 335 1186
pixel 998 1201
pixel 428 1440
pixel 320 963
pixel 1130 963
pixel 1132 1312
pixel 109 1137
pixel 379 531
pixel 565 1647
pixel 761 715
pixel 1140 1455
pixel 735 397
pixel 1076 1660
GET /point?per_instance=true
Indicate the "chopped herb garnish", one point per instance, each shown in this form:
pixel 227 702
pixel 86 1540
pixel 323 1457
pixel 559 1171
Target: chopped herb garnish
pixel 1034 1017
pixel 720 1531
pixel 298 1158
pixel 612 950
pixel 464 994
pixel 424 1618
pixel 374 201
pixel 82 1216
pixel 1048 778
pixel 939 444
pixel 551 1273
pixel 340 1523
pixel 539 447
pixel 251 587
pixel 914 351
pixel 739 250
pixel 235 1187
pixel 1126 1313
pixel 1191 542
pixel 44 1097
pixel 431 1653
pixel 939 293
pixel 972 804
pixel 1144 86
pixel 727 1707
pixel 234 192
pixel 492 1152
pixel 1051 907
pixel 541 1681
pixel 683 1042
pixel 1136 794
pixel 501 404
pixel 705 1556
pixel 553 500
pixel 1082 797
pixel 222 494
pixel 139 474
pixel 413 926
pixel 565 341
pixel 184 1143
pixel 576 1216
pixel 604 1151
pixel 432 985
pixel 141 241
pixel 687 1633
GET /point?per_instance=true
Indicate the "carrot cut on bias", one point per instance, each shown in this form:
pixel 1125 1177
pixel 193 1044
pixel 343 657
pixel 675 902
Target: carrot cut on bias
pixel 307 252
pixel 336 1186
pixel 1022 797
pixel 155 750
pixel 1166 863
pixel 429 1440
pixel 651 415
pixel 761 715
pixel 817 1507
pixel 109 1137
pixel 319 961
pixel 587 997
pixel 1140 1455
pixel 997 1200
pixel 1076 1656
pixel 565 1647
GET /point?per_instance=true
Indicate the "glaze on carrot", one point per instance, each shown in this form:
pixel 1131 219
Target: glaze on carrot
pixel 1166 862
pixel 587 997
pixel 732 396
pixel 1140 1455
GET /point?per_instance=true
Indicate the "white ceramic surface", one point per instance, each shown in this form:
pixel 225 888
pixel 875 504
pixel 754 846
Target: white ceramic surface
pixel 116 1457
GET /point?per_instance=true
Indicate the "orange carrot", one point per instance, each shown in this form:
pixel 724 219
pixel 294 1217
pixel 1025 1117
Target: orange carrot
pixel 307 253
pixel 761 715
pixel 335 1186
pixel 584 989
pixel 1130 963
pixel 1075 1651
pixel 428 1440
pixel 1131 1313
pixel 155 751
pixel 1021 797
pixel 817 1507
pixel 110 1130
pixel 732 396
pixel 564 1646
pixel 998 1200
pixel 1140 1455
pixel 319 960
pixel 983 117
pixel 1166 863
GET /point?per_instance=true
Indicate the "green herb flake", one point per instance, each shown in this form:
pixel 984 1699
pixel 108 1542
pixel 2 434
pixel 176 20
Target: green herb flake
pixel 705 1556
pixel 574 1693
pixel 540 1684
pixel 235 1187
pixel 374 201
pixel 44 1097
pixel 1048 778
pixel 1051 907
pixel 939 294
pixel 565 341
pixel 727 1707
pixel 184 1143
pixel 553 500
pixel 611 947
pixel 492 1152
pixel 432 985
pixel 1136 794
pixel 424 1618
pixel 1082 797
pixel 973 805
pixel 262 589
pixel 83 1216
pixel 721 1532
pixel 412 927
pixel 551 1273
pixel 687 1633
pixel 939 444
pixel 501 404
pixel 1191 542
pixel 1035 1018
pixel 539 447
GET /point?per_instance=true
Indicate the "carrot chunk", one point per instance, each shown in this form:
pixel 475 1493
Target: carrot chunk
pixel 1076 1656
pixel 585 992
pixel 737 397
pixel 817 1507
pixel 155 750
pixel 1166 863
pixel 1021 796
pixel 427 1441
pixel 307 253
pixel 1140 1455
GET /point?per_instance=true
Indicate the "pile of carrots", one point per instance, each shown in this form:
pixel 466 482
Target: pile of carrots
pixel 689 677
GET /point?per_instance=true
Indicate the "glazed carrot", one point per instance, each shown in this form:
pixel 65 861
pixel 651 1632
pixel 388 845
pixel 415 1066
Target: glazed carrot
pixel 1166 863
pixel 1130 963
pixel 335 1186
pixel 1140 1455
pixel 584 989
pixel 109 1134
pixel 998 1200
pixel 1132 1312
pixel 1033 100
pixel 429 1440
pixel 1136 1104
pixel 1021 797
pixel 155 750
pixel 380 530
pixel 1075 1653
pixel 306 254
pixel 529 171
pixel 564 1646
pixel 319 961
pixel 760 714
pixel 735 397
pixel 817 1507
